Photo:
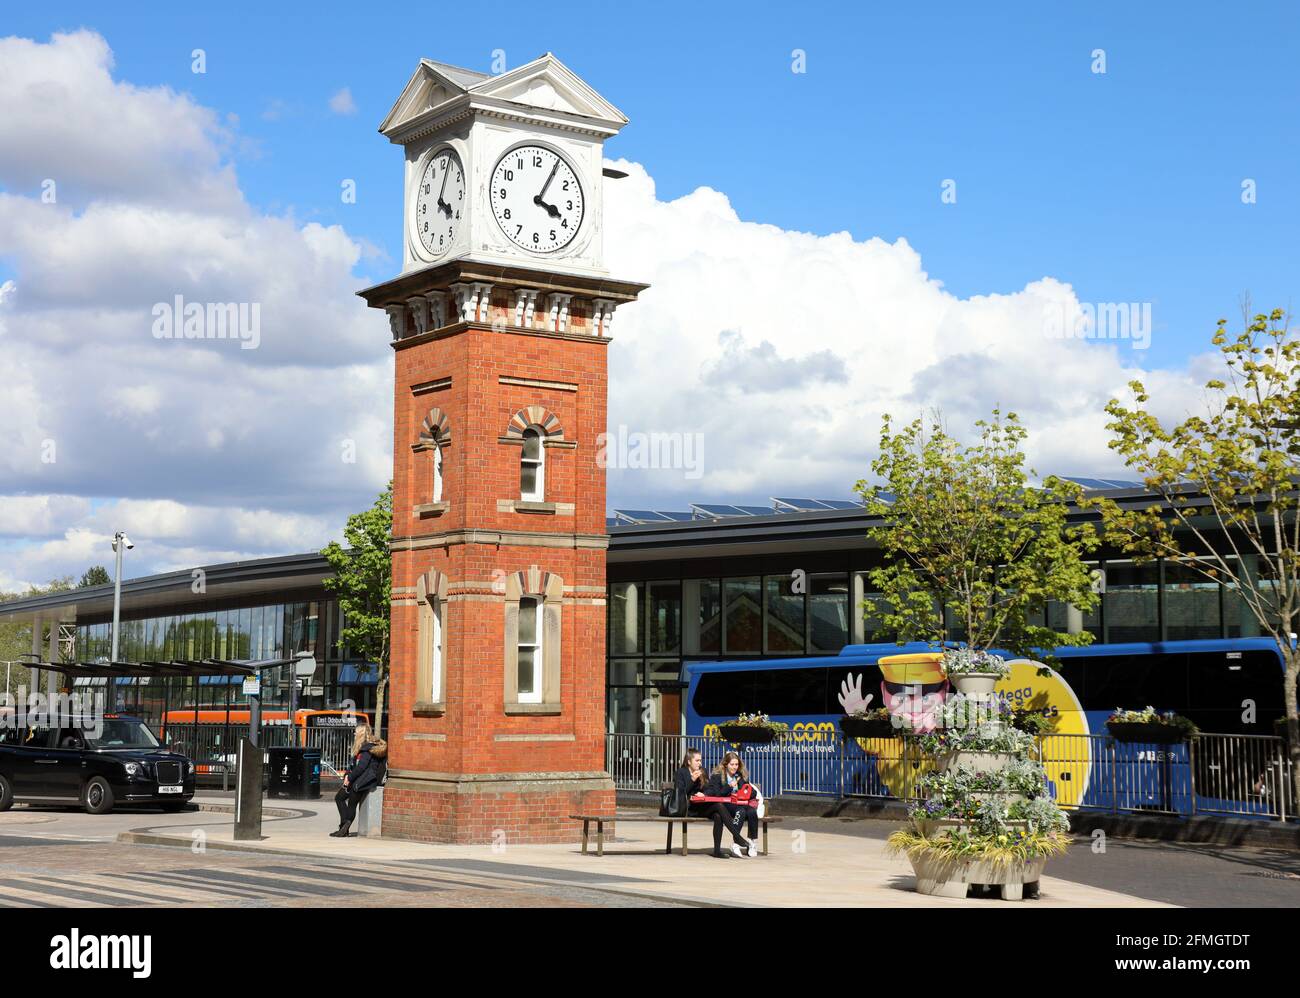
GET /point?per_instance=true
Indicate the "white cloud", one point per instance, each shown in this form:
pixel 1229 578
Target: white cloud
pixel 342 102
pixel 786 348
pixel 67 120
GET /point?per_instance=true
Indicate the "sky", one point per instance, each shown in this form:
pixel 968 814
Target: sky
pixel 842 212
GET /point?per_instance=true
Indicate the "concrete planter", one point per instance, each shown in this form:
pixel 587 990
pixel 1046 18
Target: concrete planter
pixel 979 762
pixel 975 684
pixel 952 879
pixel 1008 796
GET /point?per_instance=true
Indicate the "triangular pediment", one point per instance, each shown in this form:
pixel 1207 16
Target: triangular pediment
pixel 548 85
pixel 544 86
pixel 430 86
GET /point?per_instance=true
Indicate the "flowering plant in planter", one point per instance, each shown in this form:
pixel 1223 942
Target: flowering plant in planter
pixel 969 662
pixel 1041 813
pixel 992 737
pixel 755 727
pixel 879 722
pixel 1000 849
pixel 1035 722
pixel 1147 725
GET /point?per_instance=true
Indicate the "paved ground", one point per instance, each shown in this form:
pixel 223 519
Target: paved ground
pixel 80 866
pixel 1186 874
pixel 56 858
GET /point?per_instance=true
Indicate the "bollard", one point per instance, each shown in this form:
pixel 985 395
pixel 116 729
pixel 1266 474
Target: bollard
pixel 370 814
pixel 248 792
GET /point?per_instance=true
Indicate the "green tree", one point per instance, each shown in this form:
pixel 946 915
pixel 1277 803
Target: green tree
pixel 363 580
pixel 96 575
pixel 963 530
pixel 16 637
pixel 1224 485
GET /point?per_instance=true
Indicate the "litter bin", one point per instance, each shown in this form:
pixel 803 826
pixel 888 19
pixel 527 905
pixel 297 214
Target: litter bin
pixel 294 773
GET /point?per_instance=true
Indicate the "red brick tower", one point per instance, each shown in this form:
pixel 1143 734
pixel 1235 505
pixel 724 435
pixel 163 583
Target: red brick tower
pixel 500 325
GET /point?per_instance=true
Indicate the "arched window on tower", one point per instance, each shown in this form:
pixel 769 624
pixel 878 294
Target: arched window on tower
pixel 434 690
pixel 532 467
pixel 437 474
pixel 530 650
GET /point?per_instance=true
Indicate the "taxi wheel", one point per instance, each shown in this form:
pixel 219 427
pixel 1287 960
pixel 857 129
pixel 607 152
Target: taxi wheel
pixel 6 794
pixel 97 798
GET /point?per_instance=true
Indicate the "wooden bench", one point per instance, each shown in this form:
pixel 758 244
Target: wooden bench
pixel 600 820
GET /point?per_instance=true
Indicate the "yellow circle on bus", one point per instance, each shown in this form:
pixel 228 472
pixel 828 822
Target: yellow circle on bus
pixel 1067 751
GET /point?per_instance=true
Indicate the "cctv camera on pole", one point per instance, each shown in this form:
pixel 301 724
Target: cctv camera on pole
pixel 120 541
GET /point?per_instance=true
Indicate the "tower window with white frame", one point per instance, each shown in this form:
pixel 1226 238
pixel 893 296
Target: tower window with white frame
pixel 435 650
pixel 530 650
pixel 532 467
pixel 437 474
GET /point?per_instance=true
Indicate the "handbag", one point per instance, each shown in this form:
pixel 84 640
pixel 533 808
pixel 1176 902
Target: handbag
pixel 671 803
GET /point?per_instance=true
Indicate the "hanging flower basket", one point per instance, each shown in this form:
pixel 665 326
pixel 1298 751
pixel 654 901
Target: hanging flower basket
pixel 1149 733
pixel 1147 726
pixel 868 727
pixel 753 733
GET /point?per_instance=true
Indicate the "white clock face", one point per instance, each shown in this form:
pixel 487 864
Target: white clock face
pixel 537 199
pixel 440 202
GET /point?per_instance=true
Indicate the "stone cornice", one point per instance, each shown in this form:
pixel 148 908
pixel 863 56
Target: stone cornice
pixel 501 538
pixel 440 277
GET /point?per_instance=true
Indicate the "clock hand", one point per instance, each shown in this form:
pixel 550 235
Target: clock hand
pixel 551 210
pixel 443 190
pixel 548 181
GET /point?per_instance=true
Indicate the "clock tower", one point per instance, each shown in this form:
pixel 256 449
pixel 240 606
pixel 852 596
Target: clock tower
pixel 500 322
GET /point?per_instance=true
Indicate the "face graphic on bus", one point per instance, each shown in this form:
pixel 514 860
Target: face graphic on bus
pixel 914 688
pixel 918 704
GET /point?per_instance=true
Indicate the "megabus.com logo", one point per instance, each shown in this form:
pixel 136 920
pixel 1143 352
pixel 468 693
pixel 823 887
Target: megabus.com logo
pixel 800 731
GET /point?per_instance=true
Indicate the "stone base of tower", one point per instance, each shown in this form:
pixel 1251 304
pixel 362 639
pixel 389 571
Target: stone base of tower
pixel 493 810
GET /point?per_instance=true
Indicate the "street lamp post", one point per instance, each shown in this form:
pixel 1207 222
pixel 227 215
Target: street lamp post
pixel 120 540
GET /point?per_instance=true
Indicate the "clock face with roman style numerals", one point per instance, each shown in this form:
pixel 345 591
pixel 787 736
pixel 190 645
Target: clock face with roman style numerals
pixel 440 201
pixel 537 199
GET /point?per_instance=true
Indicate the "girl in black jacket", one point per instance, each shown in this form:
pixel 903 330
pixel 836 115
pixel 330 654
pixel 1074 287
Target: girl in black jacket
pixel 368 769
pixel 690 781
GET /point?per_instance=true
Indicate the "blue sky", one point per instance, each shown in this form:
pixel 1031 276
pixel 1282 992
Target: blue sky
pixel 1126 184
pixel 1073 188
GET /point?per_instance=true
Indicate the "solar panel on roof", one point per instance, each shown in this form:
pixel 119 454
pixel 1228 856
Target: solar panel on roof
pixel 676 514
pixel 641 515
pixel 755 510
pixel 840 503
pixel 799 503
pixel 1087 483
pixel 612 521
pixel 718 509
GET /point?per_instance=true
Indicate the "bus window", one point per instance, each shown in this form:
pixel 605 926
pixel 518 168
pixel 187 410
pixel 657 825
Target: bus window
pixel 724 694
pixel 791 691
pixel 1220 686
pixel 1134 682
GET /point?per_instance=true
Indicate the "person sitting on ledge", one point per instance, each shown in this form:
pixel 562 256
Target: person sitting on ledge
pixel 367 772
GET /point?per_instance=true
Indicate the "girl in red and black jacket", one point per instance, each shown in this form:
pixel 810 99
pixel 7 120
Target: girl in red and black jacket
pixel 730 779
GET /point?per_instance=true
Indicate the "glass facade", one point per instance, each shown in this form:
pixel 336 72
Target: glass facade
pixel 239 634
pixel 656 624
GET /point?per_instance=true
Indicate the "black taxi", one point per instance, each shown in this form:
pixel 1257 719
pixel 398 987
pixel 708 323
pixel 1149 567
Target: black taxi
pixel 95 763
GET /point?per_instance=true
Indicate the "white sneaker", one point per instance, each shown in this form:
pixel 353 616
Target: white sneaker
pixel 753 850
pixel 736 851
